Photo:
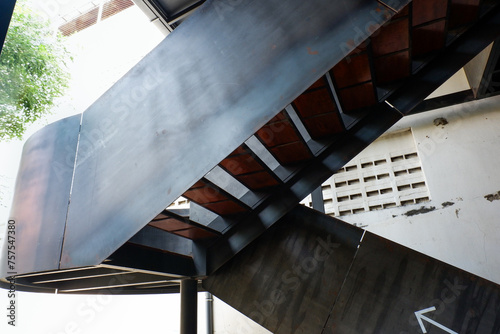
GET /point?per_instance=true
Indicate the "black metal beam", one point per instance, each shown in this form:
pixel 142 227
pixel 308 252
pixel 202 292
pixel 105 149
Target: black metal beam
pixel 444 101
pixel 60 276
pixel 181 216
pixel 180 212
pixel 151 259
pixel 159 239
pixel 125 280
pixel 6 10
pixel 166 288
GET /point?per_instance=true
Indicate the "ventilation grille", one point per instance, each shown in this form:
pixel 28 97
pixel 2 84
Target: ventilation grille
pixel 377 182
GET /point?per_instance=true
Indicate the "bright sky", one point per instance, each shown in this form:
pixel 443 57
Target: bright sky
pixel 103 53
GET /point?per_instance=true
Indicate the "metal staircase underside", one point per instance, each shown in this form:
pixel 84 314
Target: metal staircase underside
pixel 244 111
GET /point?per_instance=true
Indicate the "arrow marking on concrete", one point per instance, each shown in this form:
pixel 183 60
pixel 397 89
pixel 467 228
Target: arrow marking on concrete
pixel 420 317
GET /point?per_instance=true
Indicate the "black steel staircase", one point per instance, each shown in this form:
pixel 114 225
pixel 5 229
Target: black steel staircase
pixel 243 111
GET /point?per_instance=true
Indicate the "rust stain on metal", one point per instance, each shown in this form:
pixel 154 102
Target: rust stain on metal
pixel 311 52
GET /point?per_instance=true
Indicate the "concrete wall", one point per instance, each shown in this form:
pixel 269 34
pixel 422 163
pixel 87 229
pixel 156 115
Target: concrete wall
pixel 458 147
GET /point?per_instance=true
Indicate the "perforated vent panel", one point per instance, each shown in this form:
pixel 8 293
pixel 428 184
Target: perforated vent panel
pixel 387 174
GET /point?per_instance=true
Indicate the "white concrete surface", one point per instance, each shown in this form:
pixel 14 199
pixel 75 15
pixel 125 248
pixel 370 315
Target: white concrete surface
pixel 461 163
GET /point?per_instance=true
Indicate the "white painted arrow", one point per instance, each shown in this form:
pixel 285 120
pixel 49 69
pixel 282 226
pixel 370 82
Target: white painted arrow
pixel 420 317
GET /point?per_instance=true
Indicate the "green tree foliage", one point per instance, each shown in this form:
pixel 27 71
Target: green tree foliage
pixel 32 71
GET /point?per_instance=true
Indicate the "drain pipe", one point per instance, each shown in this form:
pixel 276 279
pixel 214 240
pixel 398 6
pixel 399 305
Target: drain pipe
pixel 210 313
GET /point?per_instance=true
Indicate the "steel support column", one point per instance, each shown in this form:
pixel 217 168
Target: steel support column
pixel 189 306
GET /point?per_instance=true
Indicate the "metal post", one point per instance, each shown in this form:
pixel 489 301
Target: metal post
pixel 6 10
pixel 210 313
pixel 189 306
pixel 317 200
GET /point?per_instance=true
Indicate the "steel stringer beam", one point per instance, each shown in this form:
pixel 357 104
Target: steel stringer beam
pixel 187 105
